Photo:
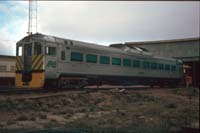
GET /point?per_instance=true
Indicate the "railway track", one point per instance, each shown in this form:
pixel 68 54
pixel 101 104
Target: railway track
pixel 13 90
pixel 17 91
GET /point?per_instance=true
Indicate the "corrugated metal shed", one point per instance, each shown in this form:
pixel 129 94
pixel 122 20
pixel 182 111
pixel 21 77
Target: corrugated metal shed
pixel 184 49
pixel 187 50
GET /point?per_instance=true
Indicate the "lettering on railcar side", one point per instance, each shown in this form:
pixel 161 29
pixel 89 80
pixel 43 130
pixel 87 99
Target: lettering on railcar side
pixel 51 64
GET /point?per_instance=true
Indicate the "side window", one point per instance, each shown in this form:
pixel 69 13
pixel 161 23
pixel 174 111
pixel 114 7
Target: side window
pixel 37 49
pixel 146 64
pixel 153 65
pixel 161 66
pixel 76 56
pixel 127 62
pixel 173 68
pixel 91 58
pixel 51 51
pixel 136 63
pixel 63 55
pixel 167 67
pixel 19 51
pixel 116 61
pixel 104 60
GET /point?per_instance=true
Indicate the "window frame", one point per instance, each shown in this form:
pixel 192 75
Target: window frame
pixel 37 44
pixel 160 66
pixel 146 64
pixel 75 58
pixel 154 65
pixel 167 67
pixel 28 49
pixel 136 63
pixel 104 59
pixel 48 49
pixel 173 68
pixel 3 68
pixel 19 50
pixel 125 63
pixel 115 59
pixel 12 68
pixel 89 60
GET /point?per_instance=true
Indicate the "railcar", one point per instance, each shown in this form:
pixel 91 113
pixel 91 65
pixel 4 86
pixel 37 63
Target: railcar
pixel 43 61
pixel 7 70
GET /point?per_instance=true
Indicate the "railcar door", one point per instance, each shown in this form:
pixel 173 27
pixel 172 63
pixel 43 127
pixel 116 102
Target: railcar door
pixel 51 61
pixel 26 77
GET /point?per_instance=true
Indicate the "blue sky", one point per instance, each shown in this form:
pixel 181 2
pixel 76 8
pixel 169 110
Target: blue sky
pixel 11 11
pixel 13 15
pixel 100 21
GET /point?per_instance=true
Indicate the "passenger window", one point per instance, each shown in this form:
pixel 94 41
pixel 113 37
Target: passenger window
pixel 136 63
pixel 76 56
pixel 167 67
pixel 153 65
pixel 104 60
pixel 51 51
pixel 173 68
pixel 146 65
pixel 37 49
pixel 91 58
pixel 160 66
pixel 116 61
pixel 63 55
pixel 127 62
pixel 19 51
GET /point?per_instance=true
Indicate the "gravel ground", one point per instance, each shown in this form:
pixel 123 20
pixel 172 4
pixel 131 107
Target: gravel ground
pixel 146 110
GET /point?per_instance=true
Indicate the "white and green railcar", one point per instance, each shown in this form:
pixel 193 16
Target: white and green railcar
pixel 44 60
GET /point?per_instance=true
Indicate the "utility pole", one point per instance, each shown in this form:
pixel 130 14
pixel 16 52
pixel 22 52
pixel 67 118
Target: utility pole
pixel 32 21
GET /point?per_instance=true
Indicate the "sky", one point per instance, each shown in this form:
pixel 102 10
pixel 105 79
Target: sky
pixel 101 22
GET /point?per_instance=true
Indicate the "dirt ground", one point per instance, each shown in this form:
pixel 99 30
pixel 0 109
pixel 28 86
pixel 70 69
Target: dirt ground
pixel 116 110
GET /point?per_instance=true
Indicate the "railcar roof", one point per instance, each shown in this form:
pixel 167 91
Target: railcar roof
pixel 59 40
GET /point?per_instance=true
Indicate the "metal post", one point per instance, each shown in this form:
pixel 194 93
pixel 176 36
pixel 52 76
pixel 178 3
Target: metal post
pixel 32 17
pixel 29 20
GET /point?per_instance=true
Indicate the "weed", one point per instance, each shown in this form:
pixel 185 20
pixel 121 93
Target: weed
pixel 53 120
pixel 10 122
pixel 170 105
pixel 92 109
pixel 97 101
pixel 49 125
pixel 63 112
pixel 42 116
pixel 67 116
pixel 44 108
pixel 83 110
pixel 32 118
pixel 22 118
pixel 176 91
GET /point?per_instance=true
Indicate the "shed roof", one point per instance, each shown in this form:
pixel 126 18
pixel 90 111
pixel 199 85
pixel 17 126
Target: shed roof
pixel 164 41
pixel 7 56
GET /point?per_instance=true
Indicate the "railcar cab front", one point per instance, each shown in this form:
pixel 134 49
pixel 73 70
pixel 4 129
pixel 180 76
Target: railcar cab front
pixel 29 63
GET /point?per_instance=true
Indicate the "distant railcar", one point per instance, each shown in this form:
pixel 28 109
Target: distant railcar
pixel 44 61
pixel 7 70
